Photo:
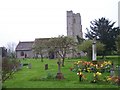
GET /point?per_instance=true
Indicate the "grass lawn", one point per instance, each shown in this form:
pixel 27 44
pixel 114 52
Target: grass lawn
pixel 38 77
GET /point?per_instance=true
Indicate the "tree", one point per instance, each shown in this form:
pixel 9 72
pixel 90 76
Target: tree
pixel 11 49
pixel 86 46
pixel 118 44
pixel 104 31
pixel 79 39
pixel 61 45
pixel 40 47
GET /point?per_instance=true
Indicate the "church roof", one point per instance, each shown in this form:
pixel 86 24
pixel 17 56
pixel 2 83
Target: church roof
pixel 25 45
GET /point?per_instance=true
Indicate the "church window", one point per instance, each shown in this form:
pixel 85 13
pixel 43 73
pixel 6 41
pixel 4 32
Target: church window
pixel 22 53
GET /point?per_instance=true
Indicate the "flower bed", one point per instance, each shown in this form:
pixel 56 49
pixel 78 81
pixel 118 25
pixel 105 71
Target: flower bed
pixel 97 69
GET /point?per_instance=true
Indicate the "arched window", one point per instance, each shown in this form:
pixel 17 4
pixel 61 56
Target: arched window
pixel 22 53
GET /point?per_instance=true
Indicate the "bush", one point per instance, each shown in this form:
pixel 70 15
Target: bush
pixel 8 67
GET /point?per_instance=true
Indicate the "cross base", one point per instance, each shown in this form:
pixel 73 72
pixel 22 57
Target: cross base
pixel 59 76
pixel 94 61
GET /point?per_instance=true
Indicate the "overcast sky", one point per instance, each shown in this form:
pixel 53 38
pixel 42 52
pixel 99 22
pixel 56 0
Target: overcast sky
pixel 25 20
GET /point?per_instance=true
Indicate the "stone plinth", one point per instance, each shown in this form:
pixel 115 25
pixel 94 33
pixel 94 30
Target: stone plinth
pixel 59 76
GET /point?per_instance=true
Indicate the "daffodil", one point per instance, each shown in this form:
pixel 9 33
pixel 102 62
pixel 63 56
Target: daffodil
pixel 101 65
pixel 88 69
pixel 98 73
pixel 109 79
pixel 79 70
pixel 109 62
pixel 94 74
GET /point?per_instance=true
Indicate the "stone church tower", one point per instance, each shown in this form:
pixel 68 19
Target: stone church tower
pixel 74 27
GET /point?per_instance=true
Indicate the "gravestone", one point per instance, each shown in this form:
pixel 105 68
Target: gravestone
pixel 112 72
pixel 29 65
pixel 46 66
pixel 20 66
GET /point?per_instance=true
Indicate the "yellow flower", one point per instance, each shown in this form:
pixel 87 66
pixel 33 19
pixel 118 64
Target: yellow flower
pixel 109 62
pixel 80 73
pixel 78 61
pixel 79 70
pixel 105 63
pixel 98 73
pixel 109 79
pixel 101 65
pixel 88 69
pixel 91 64
pixel 94 74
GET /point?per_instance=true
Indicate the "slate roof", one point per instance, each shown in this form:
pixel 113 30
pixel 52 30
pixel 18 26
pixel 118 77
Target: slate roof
pixel 25 45
pixel 41 39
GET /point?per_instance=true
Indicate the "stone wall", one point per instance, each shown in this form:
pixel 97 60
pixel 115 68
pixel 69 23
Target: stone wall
pixel 29 54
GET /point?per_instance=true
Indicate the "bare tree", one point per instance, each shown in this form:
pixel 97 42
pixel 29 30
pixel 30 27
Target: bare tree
pixel 61 45
pixel 11 49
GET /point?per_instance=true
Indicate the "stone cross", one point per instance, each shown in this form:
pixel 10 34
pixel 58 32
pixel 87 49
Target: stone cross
pixel 59 74
pixel 59 63
pixel 94 50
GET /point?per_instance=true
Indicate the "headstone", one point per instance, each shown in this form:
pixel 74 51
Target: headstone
pixel 112 72
pixel 46 66
pixel 20 66
pixel 29 65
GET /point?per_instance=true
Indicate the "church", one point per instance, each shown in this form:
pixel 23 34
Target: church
pixel 74 29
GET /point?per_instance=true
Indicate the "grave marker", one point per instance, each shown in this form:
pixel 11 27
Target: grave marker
pixel 112 72
pixel 59 74
pixel 46 66
pixel 29 65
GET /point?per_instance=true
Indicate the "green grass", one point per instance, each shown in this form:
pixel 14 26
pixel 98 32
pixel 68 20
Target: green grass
pixel 37 76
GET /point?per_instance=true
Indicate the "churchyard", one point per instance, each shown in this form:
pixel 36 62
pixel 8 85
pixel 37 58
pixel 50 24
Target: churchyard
pixel 78 73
